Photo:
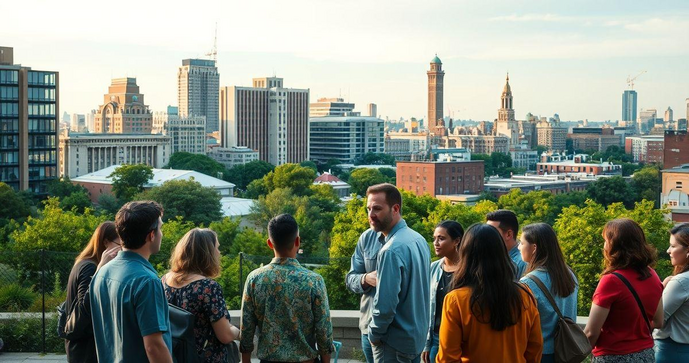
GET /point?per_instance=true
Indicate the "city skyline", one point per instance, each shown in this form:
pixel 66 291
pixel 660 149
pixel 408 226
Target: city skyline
pixel 562 58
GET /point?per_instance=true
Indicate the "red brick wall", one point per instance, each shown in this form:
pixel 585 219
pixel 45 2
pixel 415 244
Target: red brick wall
pixel 676 149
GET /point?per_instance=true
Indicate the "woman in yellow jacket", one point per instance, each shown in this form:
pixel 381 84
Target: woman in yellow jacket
pixel 488 317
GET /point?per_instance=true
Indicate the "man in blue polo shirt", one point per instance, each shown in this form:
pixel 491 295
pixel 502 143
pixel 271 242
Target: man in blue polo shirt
pixel 128 307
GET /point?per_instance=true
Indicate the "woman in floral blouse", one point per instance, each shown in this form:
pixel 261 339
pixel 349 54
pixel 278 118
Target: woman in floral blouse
pixel 189 286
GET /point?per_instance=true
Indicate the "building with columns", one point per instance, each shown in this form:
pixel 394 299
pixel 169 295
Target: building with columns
pixel 123 110
pixel 80 154
pixel 506 124
pixel 435 93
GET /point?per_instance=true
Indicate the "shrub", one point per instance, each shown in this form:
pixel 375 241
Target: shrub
pixel 15 298
pixel 52 301
pixel 23 334
pixel 7 275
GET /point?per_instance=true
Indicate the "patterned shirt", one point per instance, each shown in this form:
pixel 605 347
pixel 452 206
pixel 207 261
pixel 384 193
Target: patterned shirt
pixel 204 299
pixel 288 305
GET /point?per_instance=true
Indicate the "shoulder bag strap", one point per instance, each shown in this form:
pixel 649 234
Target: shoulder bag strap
pixel 547 294
pixel 638 300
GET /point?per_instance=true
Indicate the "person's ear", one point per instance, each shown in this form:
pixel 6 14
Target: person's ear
pixel 297 242
pixel 396 208
pixel 270 244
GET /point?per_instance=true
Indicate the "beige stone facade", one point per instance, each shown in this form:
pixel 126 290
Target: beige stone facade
pixel 123 110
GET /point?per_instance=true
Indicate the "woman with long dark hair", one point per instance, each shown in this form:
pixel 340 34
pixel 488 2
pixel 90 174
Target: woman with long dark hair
pixel 541 251
pixel 189 285
pixel 627 303
pixel 672 339
pixel 103 247
pixel 488 316
pixel 446 239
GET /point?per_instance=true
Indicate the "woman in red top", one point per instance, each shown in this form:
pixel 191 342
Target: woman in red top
pixel 617 330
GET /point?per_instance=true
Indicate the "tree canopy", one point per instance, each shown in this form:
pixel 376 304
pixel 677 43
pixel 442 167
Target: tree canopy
pixel 196 162
pixel 187 199
pixel 129 180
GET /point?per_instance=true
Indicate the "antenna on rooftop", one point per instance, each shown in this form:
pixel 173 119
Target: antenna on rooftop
pixel 214 52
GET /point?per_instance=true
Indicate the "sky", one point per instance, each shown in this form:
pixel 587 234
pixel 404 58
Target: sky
pixel 571 58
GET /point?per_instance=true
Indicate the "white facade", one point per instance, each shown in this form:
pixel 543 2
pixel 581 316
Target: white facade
pixel 345 138
pixel 330 107
pixel 198 82
pixel 236 155
pixel 80 154
pixel 188 133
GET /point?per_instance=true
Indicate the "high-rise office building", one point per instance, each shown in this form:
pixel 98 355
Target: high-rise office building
pixel 373 110
pixel 629 105
pixel 268 118
pixel 123 110
pixel 668 115
pixel 77 123
pixel 331 107
pixel 29 109
pixel 435 93
pixel 345 137
pixel 198 81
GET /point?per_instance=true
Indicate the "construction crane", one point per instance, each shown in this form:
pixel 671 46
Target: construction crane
pixel 214 52
pixel 630 80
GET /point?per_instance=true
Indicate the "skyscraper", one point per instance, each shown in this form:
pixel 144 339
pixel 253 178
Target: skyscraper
pixel 435 93
pixel 198 82
pixel 29 109
pixel 266 117
pixel 123 110
pixel 668 115
pixel 629 105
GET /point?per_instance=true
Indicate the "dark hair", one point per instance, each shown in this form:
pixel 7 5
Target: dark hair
pixel 681 234
pixel 104 233
pixel 392 194
pixel 627 248
pixel 135 220
pixel 549 256
pixel 485 267
pixel 195 253
pixel 507 219
pixel 454 229
pixel 283 230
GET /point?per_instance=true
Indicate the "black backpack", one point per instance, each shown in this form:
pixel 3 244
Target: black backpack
pixel 183 338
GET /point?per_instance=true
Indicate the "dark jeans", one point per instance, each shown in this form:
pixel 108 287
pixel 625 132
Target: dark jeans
pixel 435 344
pixel 668 350
pixel 366 347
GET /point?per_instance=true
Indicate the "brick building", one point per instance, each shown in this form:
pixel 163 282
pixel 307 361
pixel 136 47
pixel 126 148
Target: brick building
pixel 441 178
pixel 676 149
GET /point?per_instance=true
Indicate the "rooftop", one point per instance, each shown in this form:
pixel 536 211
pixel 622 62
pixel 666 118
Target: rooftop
pixel 160 176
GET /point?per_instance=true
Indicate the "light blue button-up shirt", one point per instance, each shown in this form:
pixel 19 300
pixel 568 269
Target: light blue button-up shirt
pixel 364 260
pixel 401 305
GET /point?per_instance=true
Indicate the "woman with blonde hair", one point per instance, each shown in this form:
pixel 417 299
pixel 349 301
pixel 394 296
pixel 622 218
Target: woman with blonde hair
pixel 627 304
pixel 103 247
pixel 672 339
pixel 189 285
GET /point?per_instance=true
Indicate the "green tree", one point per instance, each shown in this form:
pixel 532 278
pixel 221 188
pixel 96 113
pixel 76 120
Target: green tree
pixel 293 176
pixel 531 207
pixel 77 201
pixel 488 169
pixel 243 174
pixel 187 199
pixel 108 205
pixel 227 230
pixel 362 178
pixel 309 164
pixel 13 206
pixel 647 184
pixel 173 230
pixel 563 200
pixel 129 180
pixel 196 162
pixel 610 190
pixel 372 158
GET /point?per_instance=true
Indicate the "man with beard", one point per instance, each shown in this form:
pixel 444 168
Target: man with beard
pixel 400 311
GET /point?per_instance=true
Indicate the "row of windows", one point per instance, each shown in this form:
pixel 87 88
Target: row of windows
pixel 9 157
pixel 41 94
pixel 40 109
pixel 42 78
pixel 42 157
pixel 9 93
pixel 9 77
pixel 41 141
pixel 42 125
pixel 9 174
pixel 9 141
pixel 9 125
pixel 9 109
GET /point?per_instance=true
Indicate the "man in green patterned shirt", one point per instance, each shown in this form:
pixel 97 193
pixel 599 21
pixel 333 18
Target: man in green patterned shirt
pixel 286 304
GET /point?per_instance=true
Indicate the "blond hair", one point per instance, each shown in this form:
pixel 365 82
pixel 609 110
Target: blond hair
pixel 195 253
pixel 103 234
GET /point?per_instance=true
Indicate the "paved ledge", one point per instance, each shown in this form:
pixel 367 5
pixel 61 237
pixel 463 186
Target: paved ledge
pixel 60 358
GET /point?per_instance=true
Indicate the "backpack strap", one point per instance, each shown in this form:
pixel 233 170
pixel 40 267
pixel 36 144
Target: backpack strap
pixel 638 300
pixel 547 294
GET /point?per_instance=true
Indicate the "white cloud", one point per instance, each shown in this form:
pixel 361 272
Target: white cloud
pixel 533 17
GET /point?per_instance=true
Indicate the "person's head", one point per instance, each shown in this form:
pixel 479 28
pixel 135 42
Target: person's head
pixel 384 205
pixel 679 248
pixel 446 238
pixel 506 222
pixel 103 238
pixel 283 235
pixel 139 225
pixel 626 247
pixel 540 249
pixel 196 253
pixel 485 267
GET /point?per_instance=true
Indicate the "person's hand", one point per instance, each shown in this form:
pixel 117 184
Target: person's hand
pixel 375 343
pixel 371 278
pixel 108 255
pixel 425 356
pixel 667 279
